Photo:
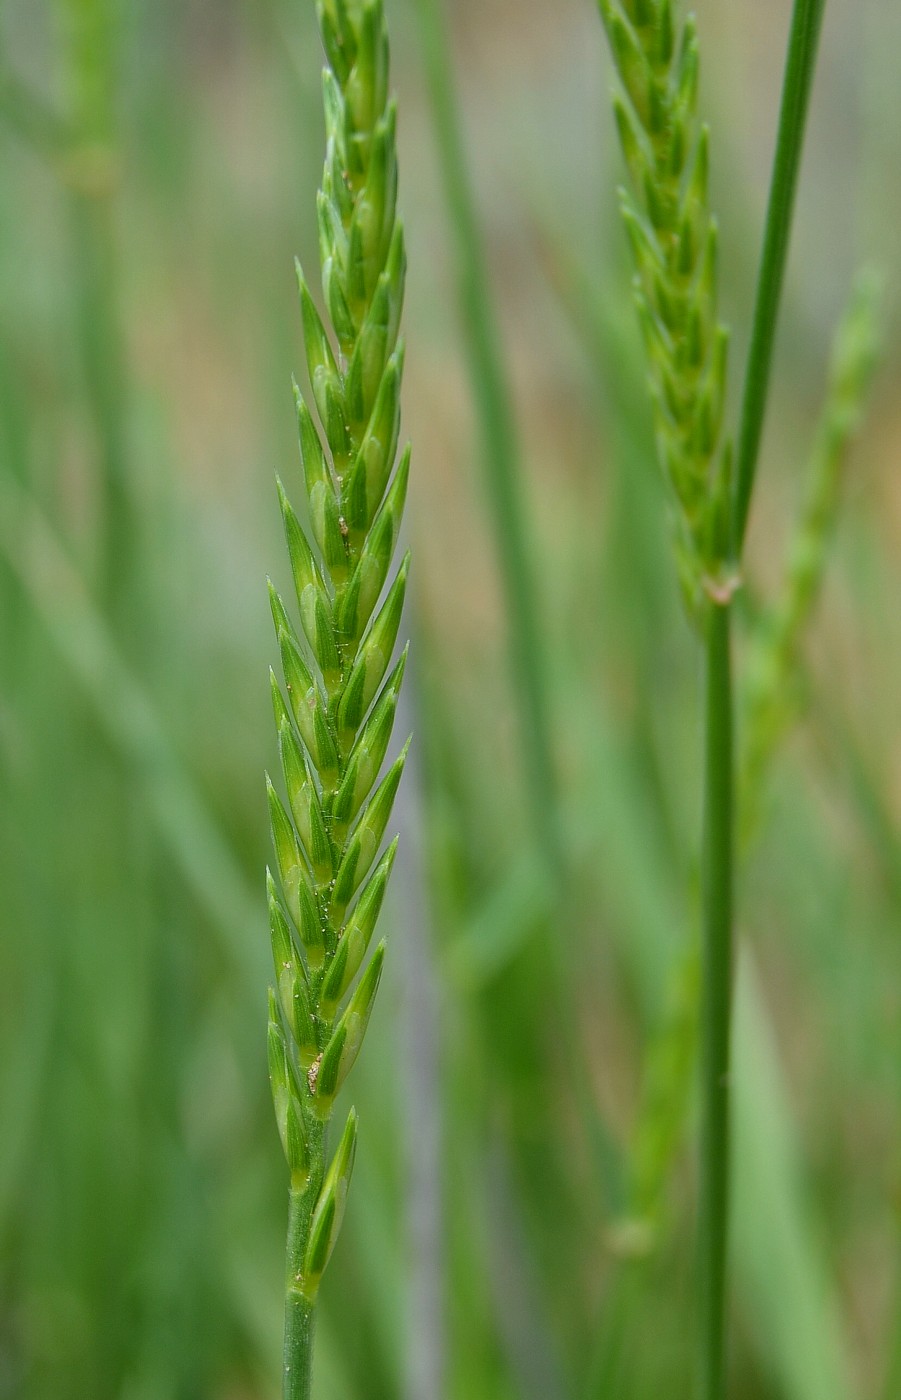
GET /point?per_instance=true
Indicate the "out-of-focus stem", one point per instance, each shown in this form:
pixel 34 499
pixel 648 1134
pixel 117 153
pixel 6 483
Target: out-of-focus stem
pixel 716 1002
pixel 807 18
pixel 425 1363
pixel 503 476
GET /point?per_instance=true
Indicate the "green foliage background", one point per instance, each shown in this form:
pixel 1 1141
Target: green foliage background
pixel 519 1226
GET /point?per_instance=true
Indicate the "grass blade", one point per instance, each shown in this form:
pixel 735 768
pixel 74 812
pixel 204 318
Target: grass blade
pixel 807 19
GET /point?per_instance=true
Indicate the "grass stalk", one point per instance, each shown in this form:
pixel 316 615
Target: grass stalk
pixel 716 1001
pixel 800 64
pixel 424 1090
pixel 717 858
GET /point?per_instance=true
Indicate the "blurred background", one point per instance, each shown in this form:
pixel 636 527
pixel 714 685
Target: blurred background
pixel 521 1223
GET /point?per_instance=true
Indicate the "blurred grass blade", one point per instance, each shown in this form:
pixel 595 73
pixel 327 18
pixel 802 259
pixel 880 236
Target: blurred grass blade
pixel 132 725
pixel 501 457
pixel 791 1304
pixel 800 64
pixel 520 1298
pixel 90 32
pixel 771 673
pixel 645 916
pixel 32 119
pixel 426 1362
pixel 27 1064
pixel 504 477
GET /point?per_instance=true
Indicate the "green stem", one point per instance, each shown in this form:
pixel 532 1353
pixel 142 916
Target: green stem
pixel 716 1002
pixel 800 63
pixel 300 1311
pixel 807 18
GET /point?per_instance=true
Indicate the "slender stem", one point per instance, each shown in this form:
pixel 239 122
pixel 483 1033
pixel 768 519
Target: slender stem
pixel 806 24
pixel 426 1344
pixel 300 1321
pixel 716 1001
pixel 300 1311
pixel 807 18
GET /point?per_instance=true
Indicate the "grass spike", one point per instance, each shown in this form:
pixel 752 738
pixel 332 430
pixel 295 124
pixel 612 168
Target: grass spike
pixel 669 223
pixel 335 716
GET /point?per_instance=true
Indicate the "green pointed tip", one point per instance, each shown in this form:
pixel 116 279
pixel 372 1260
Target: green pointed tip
pixel 331 91
pixel 280 616
pixel 403 471
pixel 391 851
pixel 347 1148
pixel 369 983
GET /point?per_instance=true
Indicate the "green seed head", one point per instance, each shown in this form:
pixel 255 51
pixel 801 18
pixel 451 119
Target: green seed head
pixel 334 712
pixel 673 242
